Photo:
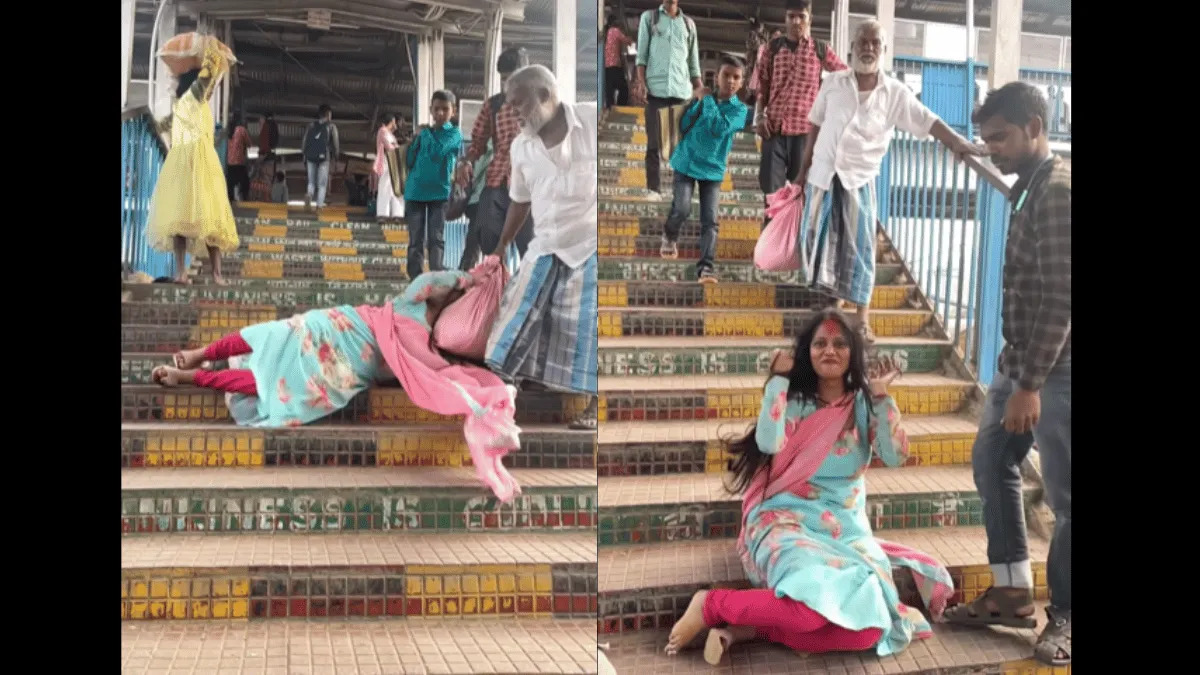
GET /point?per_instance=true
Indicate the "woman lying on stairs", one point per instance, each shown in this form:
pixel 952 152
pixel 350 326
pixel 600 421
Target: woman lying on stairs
pixel 822 581
pixel 301 369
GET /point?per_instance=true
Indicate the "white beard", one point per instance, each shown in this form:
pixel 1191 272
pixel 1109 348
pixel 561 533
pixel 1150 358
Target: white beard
pixel 534 123
pixel 865 68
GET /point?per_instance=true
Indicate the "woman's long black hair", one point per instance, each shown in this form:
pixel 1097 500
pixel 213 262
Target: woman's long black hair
pixel 235 122
pixel 802 384
pixel 186 81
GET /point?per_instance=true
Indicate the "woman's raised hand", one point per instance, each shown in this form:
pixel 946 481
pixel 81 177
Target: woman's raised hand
pixel 782 362
pixel 880 374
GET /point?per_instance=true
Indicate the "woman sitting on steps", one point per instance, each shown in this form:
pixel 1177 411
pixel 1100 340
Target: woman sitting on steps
pixel 304 368
pixel 822 581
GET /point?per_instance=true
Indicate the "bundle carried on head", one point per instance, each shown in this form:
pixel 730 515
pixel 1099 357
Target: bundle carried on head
pixel 184 51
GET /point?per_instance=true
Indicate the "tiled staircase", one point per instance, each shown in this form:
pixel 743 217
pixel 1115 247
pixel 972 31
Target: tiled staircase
pixel 682 366
pixel 234 538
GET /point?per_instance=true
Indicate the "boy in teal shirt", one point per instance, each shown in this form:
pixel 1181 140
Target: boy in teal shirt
pixel 708 126
pixel 430 159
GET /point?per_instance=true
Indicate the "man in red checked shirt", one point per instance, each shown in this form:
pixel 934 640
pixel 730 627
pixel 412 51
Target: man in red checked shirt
pixel 789 75
pixel 496 122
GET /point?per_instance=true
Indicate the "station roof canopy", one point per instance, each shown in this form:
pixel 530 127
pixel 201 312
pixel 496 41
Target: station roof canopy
pixel 724 24
pixel 358 62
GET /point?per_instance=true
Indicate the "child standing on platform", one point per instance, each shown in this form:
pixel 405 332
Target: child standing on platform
pixel 430 158
pixel 707 128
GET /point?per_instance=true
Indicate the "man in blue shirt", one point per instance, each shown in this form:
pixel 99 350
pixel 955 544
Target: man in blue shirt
pixel 668 64
pixel 707 127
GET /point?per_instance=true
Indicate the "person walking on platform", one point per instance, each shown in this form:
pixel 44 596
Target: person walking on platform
pixel 668 64
pixel 710 123
pixel 497 123
pixel 788 78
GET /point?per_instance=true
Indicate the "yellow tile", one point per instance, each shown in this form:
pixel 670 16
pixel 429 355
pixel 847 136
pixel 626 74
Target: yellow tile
pixel 138 609
pixel 343 271
pixel 201 608
pixel 265 248
pixel 395 235
pixel 239 609
pixel 619 227
pixel 241 587
pixel 741 230
pixel 544 581
pixel 157 609
pixel 889 297
pixel 177 609
pixel 180 588
pixel 159 587
pixel 221 588
pixel 740 295
pixel 613 294
pixel 638 138
pixel 728 324
pixel 124 610
pixel 630 177
pixel 262 269
pixel 470 605
pixel 201 588
pixel 636 155
pixel 272 231
pixel 220 609
pixel 332 216
pixel 339 250
pixel 489 584
pixel 335 234
pixel 610 324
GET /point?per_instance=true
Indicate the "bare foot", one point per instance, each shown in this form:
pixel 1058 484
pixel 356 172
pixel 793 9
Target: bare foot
pixel 166 376
pixel 721 639
pixel 688 626
pixel 189 359
pixel 184 280
pixel 220 280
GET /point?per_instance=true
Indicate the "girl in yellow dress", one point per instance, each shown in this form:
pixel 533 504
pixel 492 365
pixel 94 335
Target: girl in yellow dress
pixel 190 210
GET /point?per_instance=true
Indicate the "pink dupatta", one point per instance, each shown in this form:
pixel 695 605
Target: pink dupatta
pixel 444 389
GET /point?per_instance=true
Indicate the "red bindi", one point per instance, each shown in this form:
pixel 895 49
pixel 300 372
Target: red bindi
pixel 832 327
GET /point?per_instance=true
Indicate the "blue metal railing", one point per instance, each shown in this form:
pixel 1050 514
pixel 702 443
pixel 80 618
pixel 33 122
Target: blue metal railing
pixel 948 222
pixel 455 241
pixel 141 159
pixel 946 89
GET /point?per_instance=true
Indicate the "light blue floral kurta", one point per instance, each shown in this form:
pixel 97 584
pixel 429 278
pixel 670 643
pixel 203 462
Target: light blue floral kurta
pixel 312 364
pixel 817 547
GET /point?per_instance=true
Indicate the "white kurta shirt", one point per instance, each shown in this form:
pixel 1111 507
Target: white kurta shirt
pixel 560 183
pixel 855 136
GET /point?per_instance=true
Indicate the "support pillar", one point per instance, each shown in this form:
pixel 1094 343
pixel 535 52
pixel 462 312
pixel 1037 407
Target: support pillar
pixel 885 14
pixel 424 80
pixel 438 64
pixel 840 37
pixel 160 75
pixel 1004 63
pixel 492 46
pixel 128 14
pixel 227 82
pixel 566 33
pixel 431 71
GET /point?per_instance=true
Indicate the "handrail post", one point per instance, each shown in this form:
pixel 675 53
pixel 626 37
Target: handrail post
pixel 993 211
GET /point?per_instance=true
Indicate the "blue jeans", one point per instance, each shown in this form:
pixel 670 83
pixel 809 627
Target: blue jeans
pixel 997 457
pixel 318 181
pixel 710 196
pixel 426 221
